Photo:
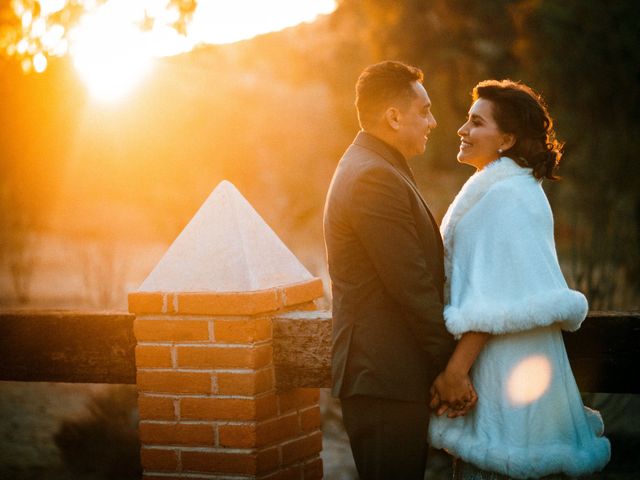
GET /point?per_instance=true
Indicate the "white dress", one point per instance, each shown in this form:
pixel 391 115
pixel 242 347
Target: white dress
pixel 503 277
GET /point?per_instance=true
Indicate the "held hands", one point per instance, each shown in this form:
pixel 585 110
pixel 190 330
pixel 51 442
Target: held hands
pixel 452 393
pixel 452 390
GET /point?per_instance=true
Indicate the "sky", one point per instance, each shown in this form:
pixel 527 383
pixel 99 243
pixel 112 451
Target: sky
pixel 112 52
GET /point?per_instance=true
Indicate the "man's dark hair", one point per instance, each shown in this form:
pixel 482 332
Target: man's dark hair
pixel 381 84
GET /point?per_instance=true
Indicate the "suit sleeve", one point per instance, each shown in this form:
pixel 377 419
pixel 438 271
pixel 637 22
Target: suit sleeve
pixel 381 213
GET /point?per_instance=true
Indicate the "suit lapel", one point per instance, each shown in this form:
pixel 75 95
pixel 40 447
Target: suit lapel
pixel 370 142
pixel 426 207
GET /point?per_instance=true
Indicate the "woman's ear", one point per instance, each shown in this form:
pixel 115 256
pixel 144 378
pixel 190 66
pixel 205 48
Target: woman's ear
pixel 508 141
pixel 392 117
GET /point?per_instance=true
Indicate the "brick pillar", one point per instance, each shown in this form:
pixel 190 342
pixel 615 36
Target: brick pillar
pixel 207 399
pixel 204 355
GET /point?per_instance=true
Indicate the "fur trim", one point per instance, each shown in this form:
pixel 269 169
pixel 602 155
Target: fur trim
pixel 531 461
pixel 468 196
pixel 567 307
pixel 474 188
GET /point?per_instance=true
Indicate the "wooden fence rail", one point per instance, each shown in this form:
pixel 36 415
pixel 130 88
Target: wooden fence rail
pixel 99 347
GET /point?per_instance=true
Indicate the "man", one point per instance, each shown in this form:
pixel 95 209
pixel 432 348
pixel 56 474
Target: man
pixel 385 259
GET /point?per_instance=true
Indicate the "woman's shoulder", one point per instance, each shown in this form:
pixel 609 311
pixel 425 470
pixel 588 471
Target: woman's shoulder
pixel 521 179
pixel 517 191
pixel 516 204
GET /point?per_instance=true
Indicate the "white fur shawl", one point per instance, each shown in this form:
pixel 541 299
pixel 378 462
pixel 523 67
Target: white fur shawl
pixel 500 259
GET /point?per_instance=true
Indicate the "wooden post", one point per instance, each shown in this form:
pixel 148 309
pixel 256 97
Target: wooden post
pixel 208 403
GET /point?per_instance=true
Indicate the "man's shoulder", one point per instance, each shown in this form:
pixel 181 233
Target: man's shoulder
pixel 361 172
pixel 360 161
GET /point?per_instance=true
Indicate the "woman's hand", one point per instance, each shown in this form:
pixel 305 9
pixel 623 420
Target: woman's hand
pixel 453 392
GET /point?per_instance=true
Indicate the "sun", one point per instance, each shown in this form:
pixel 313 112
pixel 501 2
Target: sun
pixel 109 54
pixel 113 54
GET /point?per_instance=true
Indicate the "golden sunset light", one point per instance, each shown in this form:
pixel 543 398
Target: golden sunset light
pixel 114 42
pixel 226 22
pixel 110 65
pixel 225 246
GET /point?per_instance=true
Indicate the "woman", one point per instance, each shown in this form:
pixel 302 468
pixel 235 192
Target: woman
pixel 507 302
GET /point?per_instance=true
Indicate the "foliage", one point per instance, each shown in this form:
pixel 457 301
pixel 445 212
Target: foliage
pixel 105 442
pixel 583 57
pixel 33 31
pixel 17 252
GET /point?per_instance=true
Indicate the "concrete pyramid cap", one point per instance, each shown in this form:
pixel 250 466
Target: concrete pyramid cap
pixel 226 247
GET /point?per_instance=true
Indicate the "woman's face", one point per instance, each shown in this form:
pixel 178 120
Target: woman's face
pixel 480 137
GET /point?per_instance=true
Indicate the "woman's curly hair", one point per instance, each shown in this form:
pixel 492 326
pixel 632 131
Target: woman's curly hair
pixel 518 110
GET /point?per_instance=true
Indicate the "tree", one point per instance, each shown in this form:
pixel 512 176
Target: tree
pixel 584 57
pixel 32 31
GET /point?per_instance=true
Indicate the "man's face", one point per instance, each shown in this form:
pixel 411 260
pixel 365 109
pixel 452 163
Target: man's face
pixel 415 122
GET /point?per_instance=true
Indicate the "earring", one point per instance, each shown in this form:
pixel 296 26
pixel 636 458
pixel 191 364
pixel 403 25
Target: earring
pixel 500 151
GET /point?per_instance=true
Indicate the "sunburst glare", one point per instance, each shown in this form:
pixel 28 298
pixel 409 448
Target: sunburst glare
pixel 529 380
pixel 110 63
pixel 112 50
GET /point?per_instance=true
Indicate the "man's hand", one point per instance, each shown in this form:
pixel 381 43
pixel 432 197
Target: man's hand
pixel 452 390
pixel 452 393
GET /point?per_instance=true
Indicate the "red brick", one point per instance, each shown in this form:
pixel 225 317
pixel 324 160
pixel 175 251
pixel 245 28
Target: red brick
pixel 214 357
pixel 174 382
pixel 290 473
pixel 266 406
pixel 237 436
pixel 153 356
pixel 243 303
pixel 216 462
pixel 228 408
pixel 155 408
pixel 298 398
pixel 242 330
pixel 310 419
pixel 171 330
pixel 159 459
pixel 217 409
pixel 146 302
pixel 302 292
pixel 171 303
pixel 263 356
pixel 282 428
pixel 302 448
pixel 268 460
pixel 176 433
pixel 313 470
pixel 245 383
pixel 225 357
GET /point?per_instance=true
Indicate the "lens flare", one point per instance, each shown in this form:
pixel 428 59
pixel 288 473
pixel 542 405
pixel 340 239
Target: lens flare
pixel 114 43
pixel 39 62
pixel 529 380
pixel 110 54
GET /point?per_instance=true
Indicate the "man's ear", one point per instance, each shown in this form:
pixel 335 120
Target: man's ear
pixel 508 141
pixel 392 117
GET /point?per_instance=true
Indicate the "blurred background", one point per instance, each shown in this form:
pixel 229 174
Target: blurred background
pixel 119 118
